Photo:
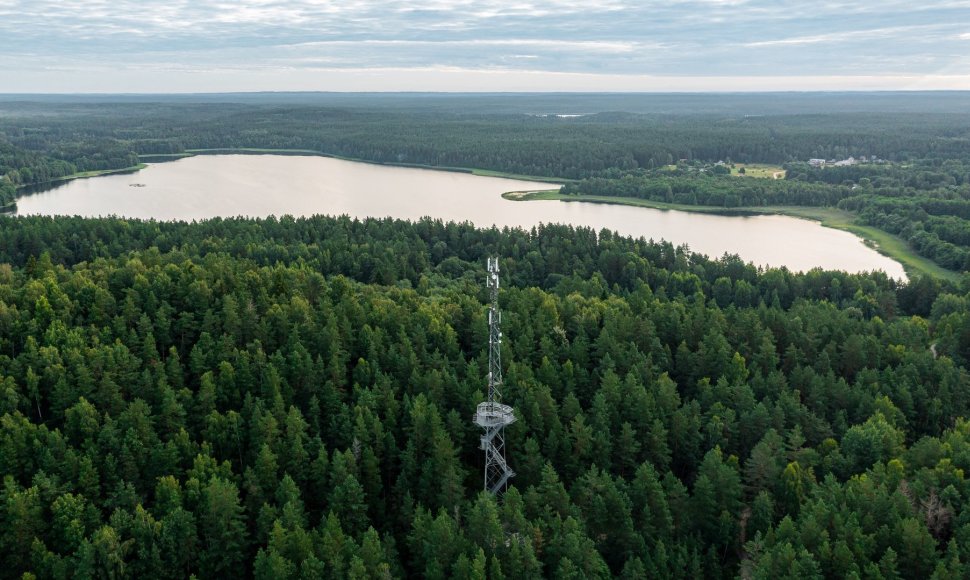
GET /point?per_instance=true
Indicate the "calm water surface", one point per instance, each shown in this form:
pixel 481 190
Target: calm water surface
pixel 250 185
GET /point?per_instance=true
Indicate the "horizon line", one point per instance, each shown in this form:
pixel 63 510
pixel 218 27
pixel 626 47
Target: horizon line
pixel 473 92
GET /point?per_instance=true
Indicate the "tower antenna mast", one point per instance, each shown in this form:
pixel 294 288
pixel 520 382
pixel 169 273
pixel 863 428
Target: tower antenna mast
pixel 492 415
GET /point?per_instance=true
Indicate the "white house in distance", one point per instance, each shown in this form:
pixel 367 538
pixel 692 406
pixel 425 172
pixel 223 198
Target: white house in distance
pixel 845 162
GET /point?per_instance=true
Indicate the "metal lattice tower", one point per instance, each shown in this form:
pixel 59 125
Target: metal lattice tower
pixel 492 415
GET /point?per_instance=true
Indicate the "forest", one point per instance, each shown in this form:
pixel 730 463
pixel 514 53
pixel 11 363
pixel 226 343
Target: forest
pixel 514 135
pixel 656 147
pixel 924 201
pixel 292 398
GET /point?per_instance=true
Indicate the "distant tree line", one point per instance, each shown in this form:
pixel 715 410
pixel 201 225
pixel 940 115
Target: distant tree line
pixel 8 192
pixel 925 202
pixel 57 159
pixel 712 189
pixel 102 136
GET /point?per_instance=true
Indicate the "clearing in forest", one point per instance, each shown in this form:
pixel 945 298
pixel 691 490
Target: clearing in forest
pixel 760 170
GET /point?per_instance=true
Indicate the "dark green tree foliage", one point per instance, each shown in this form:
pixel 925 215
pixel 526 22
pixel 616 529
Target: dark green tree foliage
pixel 926 201
pixel 289 398
pixel 40 141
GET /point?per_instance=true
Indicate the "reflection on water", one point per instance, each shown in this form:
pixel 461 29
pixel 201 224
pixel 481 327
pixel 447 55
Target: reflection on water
pixel 230 185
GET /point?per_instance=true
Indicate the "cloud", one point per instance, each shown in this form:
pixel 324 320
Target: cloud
pixel 848 35
pixel 445 78
pixel 648 38
pixel 606 47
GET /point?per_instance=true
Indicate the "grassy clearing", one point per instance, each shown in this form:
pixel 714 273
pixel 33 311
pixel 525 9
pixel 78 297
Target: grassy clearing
pixel 883 242
pixel 756 170
pixel 759 170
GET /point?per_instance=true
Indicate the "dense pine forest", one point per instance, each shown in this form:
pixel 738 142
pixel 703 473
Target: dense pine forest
pixel 287 398
pixel 39 138
pixel 292 397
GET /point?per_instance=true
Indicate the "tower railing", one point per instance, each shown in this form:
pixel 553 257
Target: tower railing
pixel 491 415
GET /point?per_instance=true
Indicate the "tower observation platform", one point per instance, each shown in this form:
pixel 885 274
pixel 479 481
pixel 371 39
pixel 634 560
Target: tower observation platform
pixel 491 415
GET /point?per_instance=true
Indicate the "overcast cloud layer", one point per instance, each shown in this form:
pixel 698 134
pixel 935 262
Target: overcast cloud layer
pixel 212 46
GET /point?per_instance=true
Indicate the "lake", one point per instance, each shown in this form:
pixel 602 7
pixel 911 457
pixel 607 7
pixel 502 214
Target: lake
pixel 260 185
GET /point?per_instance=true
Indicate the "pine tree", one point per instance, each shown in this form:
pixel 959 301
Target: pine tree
pixel 222 530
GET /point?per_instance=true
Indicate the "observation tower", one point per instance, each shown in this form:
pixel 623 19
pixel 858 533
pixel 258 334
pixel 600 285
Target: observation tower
pixel 492 415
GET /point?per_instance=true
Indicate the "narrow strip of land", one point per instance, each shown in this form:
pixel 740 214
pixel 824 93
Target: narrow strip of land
pixel 86 174
pixel 883 242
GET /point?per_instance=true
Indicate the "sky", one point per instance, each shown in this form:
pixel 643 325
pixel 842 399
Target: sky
pixel 128 46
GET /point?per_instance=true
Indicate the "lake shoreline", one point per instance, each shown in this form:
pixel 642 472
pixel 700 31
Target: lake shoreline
pixel 883 242
pixel 167 157
pixel 212 181
pixel 11 208
pixel 84 175
pixel 26 188
pixel 161 158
